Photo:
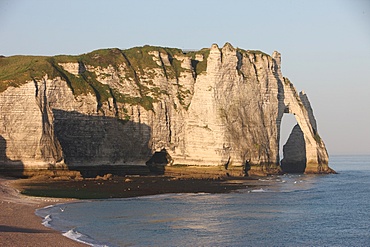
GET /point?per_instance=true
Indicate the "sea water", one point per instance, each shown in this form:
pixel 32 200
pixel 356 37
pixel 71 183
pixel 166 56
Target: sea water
pixel 291 210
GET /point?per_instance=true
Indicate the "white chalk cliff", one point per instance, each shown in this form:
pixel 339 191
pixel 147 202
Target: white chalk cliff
pixel 213 107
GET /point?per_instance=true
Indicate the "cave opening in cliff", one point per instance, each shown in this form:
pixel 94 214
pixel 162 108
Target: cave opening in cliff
pixel 158 161
pixel 288 122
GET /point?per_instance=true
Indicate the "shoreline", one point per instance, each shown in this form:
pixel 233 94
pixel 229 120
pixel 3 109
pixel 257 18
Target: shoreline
pixel 20 225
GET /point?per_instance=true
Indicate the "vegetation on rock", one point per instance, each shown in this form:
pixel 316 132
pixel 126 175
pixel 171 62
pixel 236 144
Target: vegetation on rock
pixel 16 70
pixel 134 63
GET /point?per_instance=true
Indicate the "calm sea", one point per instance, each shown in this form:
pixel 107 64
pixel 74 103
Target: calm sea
pixel 292 210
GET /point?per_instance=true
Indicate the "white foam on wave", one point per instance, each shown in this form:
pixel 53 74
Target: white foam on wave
pixel 47 213
pixel 75 235
pixel 192 194
pixel 258 190
pixel 78 237
pixel 47 219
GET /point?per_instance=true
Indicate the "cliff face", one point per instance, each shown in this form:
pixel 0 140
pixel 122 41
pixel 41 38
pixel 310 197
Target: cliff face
pixel 214 107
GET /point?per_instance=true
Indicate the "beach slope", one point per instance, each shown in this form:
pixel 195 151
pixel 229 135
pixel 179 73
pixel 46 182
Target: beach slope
pixel 19 226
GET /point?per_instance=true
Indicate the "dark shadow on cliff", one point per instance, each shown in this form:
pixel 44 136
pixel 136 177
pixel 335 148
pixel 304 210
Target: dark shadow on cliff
pixel 8 167
pixel 99 145
pixel 3 157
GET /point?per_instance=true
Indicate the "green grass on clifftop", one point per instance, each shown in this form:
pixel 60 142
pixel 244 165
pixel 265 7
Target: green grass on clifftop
pixel 200 66
pixel 16 70
pixel 137 65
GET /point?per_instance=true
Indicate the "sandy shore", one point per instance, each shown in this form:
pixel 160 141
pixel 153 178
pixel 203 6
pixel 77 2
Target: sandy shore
pixel 19 226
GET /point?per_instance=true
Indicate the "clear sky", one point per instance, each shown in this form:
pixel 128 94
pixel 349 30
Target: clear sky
pixel 325 44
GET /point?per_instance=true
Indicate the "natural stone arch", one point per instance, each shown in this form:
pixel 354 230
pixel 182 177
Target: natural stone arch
pixel 304 150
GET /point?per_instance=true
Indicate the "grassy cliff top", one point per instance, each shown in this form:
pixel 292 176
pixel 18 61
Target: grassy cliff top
pixel 137 61
pixel 17 70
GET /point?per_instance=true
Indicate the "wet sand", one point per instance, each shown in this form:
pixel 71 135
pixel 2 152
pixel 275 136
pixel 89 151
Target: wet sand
pixel 19 226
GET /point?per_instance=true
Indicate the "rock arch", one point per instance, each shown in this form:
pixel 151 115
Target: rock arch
pixel 304 150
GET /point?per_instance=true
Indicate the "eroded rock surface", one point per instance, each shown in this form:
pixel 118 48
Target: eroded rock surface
pixel 214 107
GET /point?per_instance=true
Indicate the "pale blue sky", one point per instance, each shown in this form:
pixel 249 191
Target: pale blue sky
pixel 325 44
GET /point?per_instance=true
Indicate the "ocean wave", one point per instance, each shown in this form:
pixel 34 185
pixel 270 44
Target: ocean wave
pixel 166 196
pixel 76 236
pixel 51 214
pixel 193 194
pixel 79 237
pixel 258 190
pixel 47 219
pixel 159 196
